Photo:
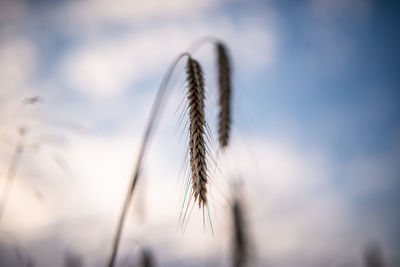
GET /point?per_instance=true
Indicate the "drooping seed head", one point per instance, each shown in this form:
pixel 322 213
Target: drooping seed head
pixel 224 102
pixel 196 131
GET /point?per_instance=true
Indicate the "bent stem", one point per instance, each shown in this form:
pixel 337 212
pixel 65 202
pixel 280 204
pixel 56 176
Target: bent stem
pixel 155 110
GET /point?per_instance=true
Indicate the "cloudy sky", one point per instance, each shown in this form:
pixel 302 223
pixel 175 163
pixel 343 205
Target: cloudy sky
pixel 316 129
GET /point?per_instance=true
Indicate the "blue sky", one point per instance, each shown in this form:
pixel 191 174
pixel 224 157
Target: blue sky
pixel 316 125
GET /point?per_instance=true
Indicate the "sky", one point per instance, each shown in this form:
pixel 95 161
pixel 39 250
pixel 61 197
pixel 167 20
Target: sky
pixel 315 135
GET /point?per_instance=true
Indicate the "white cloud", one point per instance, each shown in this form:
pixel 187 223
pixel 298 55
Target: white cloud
pixel 17 62
pixel 100 12
pixel 295 210
pixel 103 63
pixel 106 66
pixel 290 202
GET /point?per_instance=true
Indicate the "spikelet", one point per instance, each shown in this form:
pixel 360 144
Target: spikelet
pixel 240 244
pixel 224 102
pixel 196 131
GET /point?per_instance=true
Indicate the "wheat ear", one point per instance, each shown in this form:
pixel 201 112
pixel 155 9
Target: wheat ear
pixel 240 246
pixel 224 102
pixel 146 258
pixel 198 164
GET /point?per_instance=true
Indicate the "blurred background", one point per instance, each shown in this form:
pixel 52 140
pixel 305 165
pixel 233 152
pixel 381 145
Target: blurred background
pixel 316 131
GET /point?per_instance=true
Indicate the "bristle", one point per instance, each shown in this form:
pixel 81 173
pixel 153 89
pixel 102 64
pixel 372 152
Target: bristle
pixel 224 82
pixel 196 131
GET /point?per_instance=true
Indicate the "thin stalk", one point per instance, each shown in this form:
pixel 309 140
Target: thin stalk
pixel 12 170
pixel 155 111
pixel 202 41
